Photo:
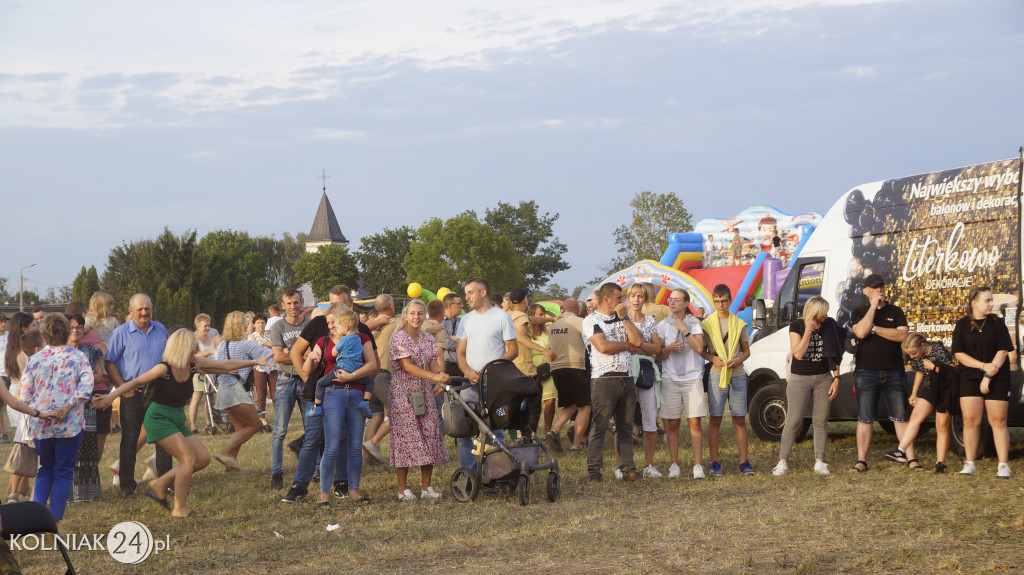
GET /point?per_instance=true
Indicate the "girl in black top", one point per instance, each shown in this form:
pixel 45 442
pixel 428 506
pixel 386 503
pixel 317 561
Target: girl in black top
pixel 170 392
pixel 936 386
pixel 981 343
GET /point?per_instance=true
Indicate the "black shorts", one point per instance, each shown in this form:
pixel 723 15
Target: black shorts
pixel 998 390
pixel 103 415
pixel 573 387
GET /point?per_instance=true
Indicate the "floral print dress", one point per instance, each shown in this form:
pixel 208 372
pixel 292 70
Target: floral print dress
pixel 55 376
pixel 415 441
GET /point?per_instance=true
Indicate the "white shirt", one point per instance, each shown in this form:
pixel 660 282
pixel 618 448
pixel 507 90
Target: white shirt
pixel 615 331
pixel 684 365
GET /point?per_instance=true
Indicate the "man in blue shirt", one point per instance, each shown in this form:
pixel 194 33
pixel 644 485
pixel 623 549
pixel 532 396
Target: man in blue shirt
pixel 134 348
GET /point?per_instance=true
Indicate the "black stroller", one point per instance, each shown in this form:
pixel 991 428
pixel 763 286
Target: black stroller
pixel 511 401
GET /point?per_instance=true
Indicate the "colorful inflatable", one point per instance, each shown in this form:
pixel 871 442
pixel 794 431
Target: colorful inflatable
pixel 664 278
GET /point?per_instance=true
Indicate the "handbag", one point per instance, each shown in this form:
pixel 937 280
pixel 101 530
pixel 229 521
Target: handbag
pixel 543 371
pixel 419 403
pixel 455 422
pixel 250 381
pixel 23 461
pixel 645 379
pixel 851 343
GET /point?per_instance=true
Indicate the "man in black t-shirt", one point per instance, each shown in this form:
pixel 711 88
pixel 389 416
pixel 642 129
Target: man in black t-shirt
pixel 881 327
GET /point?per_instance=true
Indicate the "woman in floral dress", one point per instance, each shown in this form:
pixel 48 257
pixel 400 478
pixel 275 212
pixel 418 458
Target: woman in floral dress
pixel 58 379
pixel 415 441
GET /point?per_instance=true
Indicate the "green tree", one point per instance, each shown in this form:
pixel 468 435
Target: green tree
pixel 655 216
pixel 325 268
pixel 4 295
pixel 165 268
pixel 541 254
pixel 280 256
pixel 86 282
pixel 382 260
pixel 445 253
pixel 232 276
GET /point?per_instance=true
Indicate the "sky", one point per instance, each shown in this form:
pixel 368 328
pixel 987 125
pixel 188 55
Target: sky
pixel 120 118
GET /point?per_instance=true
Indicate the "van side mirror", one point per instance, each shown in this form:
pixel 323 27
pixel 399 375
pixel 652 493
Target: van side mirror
pixel 760 314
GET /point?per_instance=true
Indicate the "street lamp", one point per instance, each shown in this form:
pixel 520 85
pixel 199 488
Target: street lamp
pixel 21 288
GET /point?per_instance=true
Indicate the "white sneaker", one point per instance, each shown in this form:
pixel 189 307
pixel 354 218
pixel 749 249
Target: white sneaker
pixel 116 481
pixel 430 493
pixel 407 495
pixel 1004 471
pixel 673 471
pixel 821 468
pixel 781 468
pixel 651 471
pixel 618 473
pixel 698 472
pixel 968 468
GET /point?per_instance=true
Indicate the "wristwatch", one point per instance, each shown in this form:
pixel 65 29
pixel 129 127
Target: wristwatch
pixel 873 330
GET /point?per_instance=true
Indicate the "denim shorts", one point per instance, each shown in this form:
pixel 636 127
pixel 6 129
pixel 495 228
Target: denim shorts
pixel 736 391
pixel 873 383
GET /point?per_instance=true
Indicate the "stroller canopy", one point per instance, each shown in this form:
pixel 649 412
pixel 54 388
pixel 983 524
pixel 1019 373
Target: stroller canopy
pixel 504 384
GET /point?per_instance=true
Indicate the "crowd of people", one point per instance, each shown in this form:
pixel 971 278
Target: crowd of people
pixel 617 363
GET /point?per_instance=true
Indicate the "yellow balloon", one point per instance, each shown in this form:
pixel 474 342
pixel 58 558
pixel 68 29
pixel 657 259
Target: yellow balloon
pixel 443 292
pixel 414 290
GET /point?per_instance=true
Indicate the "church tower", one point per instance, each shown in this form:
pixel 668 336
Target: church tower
pixel 325 230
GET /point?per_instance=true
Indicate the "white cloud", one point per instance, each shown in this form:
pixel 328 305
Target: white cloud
pixel 859 71
pixel 229 54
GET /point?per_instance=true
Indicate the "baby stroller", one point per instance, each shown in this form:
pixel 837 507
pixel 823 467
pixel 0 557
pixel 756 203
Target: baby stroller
pixel 216 420
pixel 511 400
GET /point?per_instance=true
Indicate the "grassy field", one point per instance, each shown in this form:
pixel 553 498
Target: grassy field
pixel 887 520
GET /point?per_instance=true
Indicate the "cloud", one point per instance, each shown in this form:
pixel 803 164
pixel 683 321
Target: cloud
pixel 49 77
pixel 859 71
pixel 104 82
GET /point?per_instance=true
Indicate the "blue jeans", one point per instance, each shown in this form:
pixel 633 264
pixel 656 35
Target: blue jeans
pixel 465 444
pixel 285 398
pixel 342 418
pixel 735 390
pixel 312 445
pixel 57 458
pixel 872 383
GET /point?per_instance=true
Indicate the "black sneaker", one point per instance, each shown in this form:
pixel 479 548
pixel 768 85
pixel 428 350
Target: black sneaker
pixel 294 494
pixel 296 445
pixel 277 481
pixel 940 467
pixel 316 478
pixel 897 455
pixel 341 489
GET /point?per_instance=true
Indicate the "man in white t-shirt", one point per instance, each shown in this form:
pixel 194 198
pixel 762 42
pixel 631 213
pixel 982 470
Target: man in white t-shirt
pixel 485 334
pixel 682 386
pixel 613 391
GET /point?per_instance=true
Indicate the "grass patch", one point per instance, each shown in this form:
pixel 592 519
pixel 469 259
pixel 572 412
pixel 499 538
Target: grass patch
pixel 887 520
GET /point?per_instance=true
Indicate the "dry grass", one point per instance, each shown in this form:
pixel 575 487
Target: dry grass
pixel 886 520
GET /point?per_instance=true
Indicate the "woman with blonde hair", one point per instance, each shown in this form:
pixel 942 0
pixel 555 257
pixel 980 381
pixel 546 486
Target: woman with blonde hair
pixel 936 386
pixel 165 416
pixel 982 344
pixel 816 342
pixel 649 398
pixel 416 440
pixel 231 393
pixel 100 318
pixel 208 339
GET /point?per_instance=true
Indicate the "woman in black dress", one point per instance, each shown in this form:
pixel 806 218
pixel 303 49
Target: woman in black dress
pixel 981 343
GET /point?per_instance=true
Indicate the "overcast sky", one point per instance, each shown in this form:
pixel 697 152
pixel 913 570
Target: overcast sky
pixel 119 118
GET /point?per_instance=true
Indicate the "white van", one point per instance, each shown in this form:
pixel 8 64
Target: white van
pixel 931 237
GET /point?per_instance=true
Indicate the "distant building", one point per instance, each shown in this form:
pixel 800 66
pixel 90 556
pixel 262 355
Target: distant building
pixel 325 230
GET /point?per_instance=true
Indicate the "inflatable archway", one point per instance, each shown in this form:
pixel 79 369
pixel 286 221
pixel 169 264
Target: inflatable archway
pixel 651 272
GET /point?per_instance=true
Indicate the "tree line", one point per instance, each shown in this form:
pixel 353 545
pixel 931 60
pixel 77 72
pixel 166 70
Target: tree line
pixel 511 245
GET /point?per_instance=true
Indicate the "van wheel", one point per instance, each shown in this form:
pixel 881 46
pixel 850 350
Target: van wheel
pixel 768 412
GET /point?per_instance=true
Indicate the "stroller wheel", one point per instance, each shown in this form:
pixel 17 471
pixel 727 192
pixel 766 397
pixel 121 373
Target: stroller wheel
pixel 554 487
pixel 465 485
pixel 524 489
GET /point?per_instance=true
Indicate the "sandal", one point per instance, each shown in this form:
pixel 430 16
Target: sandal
pixel 917 467
pixel 161 500
pixel 860 467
